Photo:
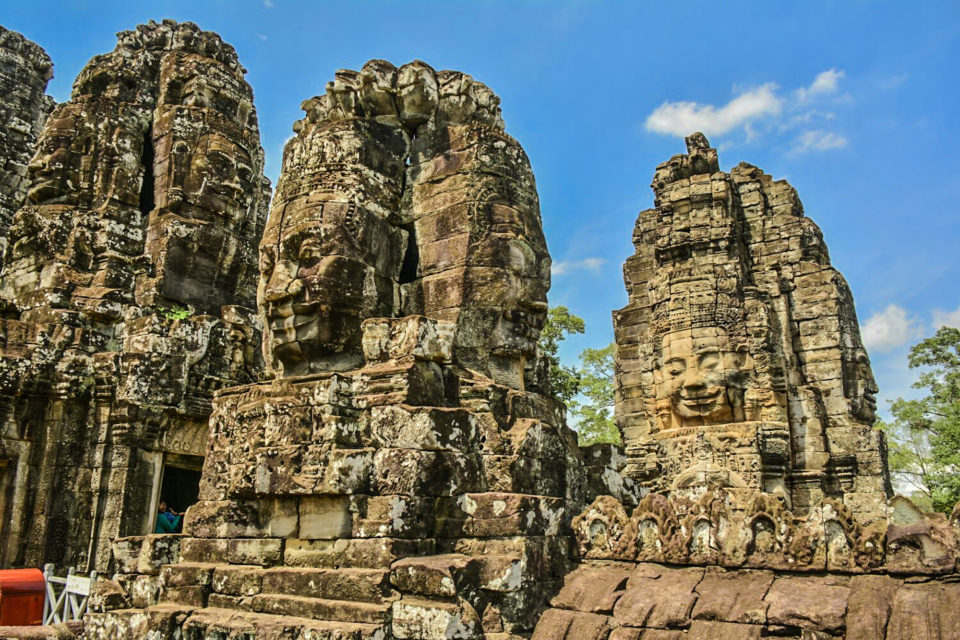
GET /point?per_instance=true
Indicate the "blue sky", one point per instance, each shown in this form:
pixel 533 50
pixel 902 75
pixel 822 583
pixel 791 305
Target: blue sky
pixel 855 103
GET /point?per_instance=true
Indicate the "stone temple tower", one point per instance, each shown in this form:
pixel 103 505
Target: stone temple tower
pixel 127 290
pixel 740 362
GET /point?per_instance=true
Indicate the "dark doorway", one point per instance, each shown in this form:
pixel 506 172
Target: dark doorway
pixel 181 481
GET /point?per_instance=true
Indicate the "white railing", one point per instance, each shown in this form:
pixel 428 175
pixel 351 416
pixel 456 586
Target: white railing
pixel 66 597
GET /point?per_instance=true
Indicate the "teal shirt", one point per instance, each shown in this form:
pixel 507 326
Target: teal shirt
pixel 167 523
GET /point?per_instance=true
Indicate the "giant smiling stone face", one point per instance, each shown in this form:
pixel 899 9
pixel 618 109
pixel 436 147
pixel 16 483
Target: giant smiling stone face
pixel 321 274
pixel 699 377
pixel 505 301
pixel 220 179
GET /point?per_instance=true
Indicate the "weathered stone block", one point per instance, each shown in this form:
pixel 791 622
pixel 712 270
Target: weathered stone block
pixel 818 603
pixel 242 518
pixel 558 624
pixel 424 473
pixel 361 553
pixel 869 605
pixel 420 619
pixel 186 574
pixel 325 517
pixel 658 597
pixel 264 552
pixel 426 428
pixel 733 596
pixel 320 609
pixel 433 576
pixel 593 587
pixel 925 611
pixel 237 580
pixel 707 630
pixel 353 585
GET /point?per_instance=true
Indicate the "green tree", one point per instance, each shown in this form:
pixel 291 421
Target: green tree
pixel 925 434
pixel 593 407
pixel 564 380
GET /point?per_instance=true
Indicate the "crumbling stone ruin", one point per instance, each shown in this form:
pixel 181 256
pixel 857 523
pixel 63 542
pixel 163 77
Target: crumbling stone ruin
pixel 401 475
pixel 381 453
pixel 739 356
pixel 127 290
pixel 745 399
pixel 25 69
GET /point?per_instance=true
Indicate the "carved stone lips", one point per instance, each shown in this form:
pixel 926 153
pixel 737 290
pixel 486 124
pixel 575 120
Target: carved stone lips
pixel 700 399
pixel 286 319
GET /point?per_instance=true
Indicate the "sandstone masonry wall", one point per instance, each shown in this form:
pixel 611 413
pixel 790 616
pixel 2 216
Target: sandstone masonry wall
pixel 723 567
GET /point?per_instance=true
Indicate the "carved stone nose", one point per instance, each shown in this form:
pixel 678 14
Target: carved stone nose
pixel 283 283
pixel 692 378
pixel 37 165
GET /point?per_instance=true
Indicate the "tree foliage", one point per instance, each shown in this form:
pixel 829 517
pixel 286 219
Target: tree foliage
pixel 593 408
pixel 564 380
pixel 924 435
pixel 586 389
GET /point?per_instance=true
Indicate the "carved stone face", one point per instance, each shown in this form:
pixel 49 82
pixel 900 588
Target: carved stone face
pixel 219 177
pixel 54 168
pixel 859 384
pixel 509 285
pixel 698 375
pixel 318 280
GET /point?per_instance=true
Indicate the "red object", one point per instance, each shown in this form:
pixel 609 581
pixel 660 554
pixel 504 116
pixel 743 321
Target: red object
pixel 21 596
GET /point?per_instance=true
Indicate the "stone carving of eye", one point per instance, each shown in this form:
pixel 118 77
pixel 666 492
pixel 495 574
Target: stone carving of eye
pixel 675 367
pixel 709 361
pixel 309 252
pixel 220 163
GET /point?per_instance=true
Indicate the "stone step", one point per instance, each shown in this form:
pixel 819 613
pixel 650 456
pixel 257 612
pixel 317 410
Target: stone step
pixel 417 618
pixel 433 576
pixel 320 608
pixel 218 622
pixel 120 624
pixel 262 551
pixel 354 585
pixel 186 574
pixel 367 553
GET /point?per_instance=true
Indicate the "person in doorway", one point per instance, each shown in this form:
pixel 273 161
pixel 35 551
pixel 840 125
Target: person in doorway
pixel 168 520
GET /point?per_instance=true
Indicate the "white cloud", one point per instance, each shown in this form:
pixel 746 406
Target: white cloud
pixel 758 112
pixel 818 140
pixel 683 118
pixel 891 328
pixel 825 82
pixel 261 36
pixel 268 4
pixel 587 264
pixel 943 318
